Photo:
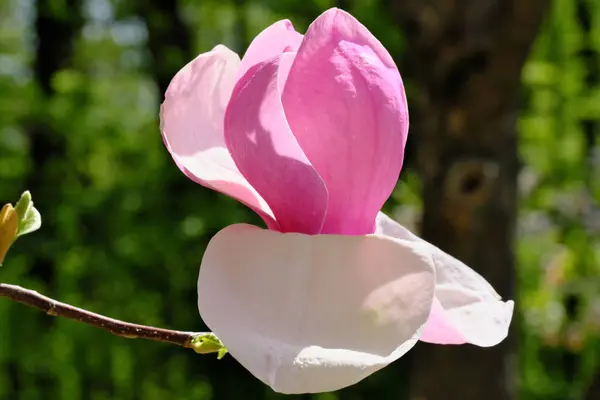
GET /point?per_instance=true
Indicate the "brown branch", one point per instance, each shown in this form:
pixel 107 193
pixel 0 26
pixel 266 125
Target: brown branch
pixel 119 328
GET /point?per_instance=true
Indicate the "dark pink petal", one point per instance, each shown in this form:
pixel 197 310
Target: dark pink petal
pixel 192 127
pixel 345 102
pixel 267 153
pixel 439 329
pixel 272 41
pixel 468 309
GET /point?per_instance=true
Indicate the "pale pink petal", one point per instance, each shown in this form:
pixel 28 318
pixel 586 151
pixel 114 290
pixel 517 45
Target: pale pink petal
pixel 192 126
pixel 267 153
pixel 467 309
pixel 345 102
pixel 309 314
pixel 275 39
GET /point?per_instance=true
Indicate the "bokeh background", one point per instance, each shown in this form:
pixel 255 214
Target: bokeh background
pixel 502 170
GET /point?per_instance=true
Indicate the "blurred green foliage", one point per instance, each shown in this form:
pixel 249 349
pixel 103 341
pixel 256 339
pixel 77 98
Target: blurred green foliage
pixel 559 226
pixel 124 230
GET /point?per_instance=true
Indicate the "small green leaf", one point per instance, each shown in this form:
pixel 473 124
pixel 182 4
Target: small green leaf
pixel 209 343
pixel 24 204
pixel 30 219
pixel 221 353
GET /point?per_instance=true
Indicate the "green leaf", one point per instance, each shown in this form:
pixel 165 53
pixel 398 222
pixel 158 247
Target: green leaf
pixel 221 353
pixel 30 219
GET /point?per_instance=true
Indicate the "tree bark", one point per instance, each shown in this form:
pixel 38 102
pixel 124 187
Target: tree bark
pixel 169 40
pixel 593 392
pixel 465 58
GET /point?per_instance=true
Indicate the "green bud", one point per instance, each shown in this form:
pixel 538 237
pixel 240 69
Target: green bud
pixel 209 343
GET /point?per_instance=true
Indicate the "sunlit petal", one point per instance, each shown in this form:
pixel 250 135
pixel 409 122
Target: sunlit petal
pixel 192 126
pixel 317 313
pixel 345 103
pixel 267 153
pixel 274 40
pixel 467 309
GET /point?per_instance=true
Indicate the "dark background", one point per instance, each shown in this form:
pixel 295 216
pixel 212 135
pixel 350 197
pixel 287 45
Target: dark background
pixel 503 171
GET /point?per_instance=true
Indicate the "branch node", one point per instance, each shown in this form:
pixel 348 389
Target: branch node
pixel 52 310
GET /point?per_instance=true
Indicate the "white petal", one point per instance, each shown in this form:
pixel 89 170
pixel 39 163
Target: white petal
pixel 467 309
pixel 192 126
pixel 309 314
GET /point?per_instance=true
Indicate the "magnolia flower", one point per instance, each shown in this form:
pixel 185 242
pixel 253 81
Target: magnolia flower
pixel 309 131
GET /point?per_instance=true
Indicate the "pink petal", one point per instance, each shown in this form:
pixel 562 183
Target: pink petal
pixel 309 314
pixel 192 127
pixel 267 153
pixel 272 41
pixel 467 309
pixel 345 102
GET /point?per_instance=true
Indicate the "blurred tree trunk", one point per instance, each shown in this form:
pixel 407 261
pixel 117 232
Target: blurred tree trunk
pixel 241 22
pixel 56 29
pixel 169 39
pixel 55 33
pixel 465 59
pixel 593 392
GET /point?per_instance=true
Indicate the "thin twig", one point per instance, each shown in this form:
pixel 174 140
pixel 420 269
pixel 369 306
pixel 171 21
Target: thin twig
pixel 114 326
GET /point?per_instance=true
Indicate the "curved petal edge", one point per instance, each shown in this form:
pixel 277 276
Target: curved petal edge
pixel 340 67
pixel 266 152
pixel 191 123
pixel 466 308
pixel 308 314
pixel 275 39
